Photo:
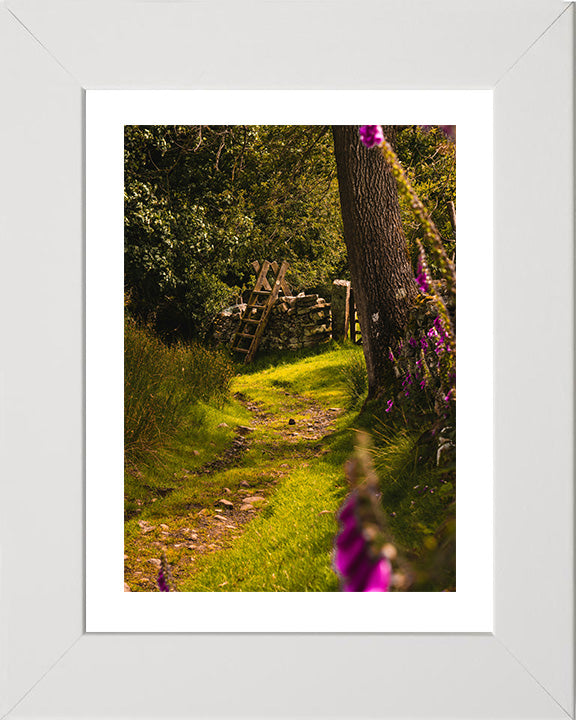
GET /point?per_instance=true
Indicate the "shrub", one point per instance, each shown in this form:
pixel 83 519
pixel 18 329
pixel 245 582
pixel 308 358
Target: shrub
pixel 161 384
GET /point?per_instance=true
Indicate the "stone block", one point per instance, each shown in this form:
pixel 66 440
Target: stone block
pixel 340 309
pixel 306 300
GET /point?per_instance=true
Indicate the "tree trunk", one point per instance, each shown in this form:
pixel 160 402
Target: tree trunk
pixel 382 277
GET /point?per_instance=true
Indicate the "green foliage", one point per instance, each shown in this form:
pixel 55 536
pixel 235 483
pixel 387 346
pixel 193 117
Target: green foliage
pixel 424 360
pixel 414 454
pixel 428 158
pixel 416 493
pixel 161 383
pixel 203 202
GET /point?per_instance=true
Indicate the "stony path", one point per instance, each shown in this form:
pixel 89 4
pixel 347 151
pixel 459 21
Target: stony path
pixel 205 531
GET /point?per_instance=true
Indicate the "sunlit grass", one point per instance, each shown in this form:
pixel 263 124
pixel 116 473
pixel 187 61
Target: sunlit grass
pixel 197 441
pixel 287 546
pixel 318 376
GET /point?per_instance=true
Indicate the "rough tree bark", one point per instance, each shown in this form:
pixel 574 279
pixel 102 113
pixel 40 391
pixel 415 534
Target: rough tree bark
pixel 382 277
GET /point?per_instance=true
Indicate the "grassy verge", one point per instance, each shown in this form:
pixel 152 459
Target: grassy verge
pixel 203 435
pixel 161 384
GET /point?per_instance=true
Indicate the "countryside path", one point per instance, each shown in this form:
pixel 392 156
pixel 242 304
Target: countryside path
pixel 287 438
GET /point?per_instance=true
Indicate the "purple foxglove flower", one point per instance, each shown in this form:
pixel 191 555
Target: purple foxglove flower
pixel 422 276
pixel 164 576
pixel 440 328
pixel 422 282
pixel 371 135
pixel 389 406
pixel 359 570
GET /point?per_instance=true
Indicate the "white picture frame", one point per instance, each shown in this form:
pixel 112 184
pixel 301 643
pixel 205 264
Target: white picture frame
pixel 53 50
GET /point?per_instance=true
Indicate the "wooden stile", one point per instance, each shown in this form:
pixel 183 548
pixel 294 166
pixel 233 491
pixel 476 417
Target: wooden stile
pixel 259 307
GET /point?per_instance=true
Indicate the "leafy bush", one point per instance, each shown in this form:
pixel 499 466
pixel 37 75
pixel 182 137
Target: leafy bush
pixel 161 384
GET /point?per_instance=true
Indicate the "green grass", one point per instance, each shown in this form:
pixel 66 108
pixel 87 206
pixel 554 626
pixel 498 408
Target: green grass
pixel 161 383
pixel 417 495
pixel 355 380
pixel 287 546
pixel 318 374
pixel 197 441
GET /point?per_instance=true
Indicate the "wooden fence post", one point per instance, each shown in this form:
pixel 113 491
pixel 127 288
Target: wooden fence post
pixel 352 316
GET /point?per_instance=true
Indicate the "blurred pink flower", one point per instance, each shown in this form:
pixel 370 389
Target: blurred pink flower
pixel 359 570
pixel 371 135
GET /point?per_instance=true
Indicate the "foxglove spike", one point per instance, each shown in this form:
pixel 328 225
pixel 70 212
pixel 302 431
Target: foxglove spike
pixel 354 561
pixel 371 135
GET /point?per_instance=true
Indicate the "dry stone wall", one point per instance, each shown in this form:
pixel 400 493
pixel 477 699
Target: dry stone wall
pixel 294 323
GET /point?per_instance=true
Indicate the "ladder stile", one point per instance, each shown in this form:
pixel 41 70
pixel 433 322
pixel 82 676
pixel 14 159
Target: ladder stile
pixel 267 293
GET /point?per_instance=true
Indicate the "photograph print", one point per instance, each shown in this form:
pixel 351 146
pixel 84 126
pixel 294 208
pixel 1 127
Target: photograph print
pixel 289 358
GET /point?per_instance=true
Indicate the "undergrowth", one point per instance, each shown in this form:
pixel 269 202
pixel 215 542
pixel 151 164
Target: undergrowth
pixel 161 384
